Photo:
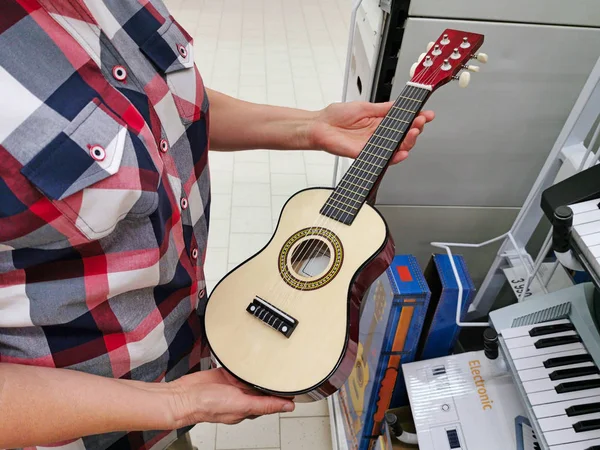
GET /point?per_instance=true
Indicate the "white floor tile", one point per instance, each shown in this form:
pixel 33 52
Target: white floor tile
pixel 287 162
pixel 314 409
pixel 259 433
pixel 251 194
pixel 220 160
pixel 218 233
pixel 261 156
pixel 251 172
pixel 287 184
pixel 221 206
pixel 221 181
pixel 277 203
pixel 247 219
pixel 319 175
pixel 204 436
pixel 216 263
pixel 244 245
pixel 305 434
pixel 318 157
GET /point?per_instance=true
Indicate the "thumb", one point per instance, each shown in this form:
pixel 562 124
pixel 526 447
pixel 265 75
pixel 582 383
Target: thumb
pixel 261 406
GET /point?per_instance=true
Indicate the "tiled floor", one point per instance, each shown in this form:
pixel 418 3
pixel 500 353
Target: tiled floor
pixel 280 52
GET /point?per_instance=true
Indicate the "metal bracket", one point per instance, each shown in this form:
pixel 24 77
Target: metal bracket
pixel 386 6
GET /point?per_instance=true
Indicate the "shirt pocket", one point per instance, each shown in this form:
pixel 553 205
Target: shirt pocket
pixel 96 172
pixel 171 50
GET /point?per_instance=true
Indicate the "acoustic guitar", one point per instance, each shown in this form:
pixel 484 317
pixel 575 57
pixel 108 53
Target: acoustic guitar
pixel 285 321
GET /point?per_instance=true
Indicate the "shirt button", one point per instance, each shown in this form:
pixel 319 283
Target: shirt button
pixel 164 146
pixel 195 253
pixel 182 51
pixel 184 203
pixel 201 293
pixel 97 152
pixel 119 73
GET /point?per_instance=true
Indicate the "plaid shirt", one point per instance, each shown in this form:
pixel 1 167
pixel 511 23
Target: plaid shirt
pixel 104 194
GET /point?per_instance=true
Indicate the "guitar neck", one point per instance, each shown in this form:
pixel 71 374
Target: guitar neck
pixel 364 174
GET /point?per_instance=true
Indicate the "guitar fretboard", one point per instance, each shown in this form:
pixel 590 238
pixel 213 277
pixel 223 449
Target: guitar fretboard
pixel 360 179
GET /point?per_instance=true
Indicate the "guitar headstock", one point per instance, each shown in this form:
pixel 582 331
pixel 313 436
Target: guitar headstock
pixel 446 57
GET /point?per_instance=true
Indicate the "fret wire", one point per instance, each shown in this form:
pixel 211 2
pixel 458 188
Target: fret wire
pixel 376 145
pixel 404 109
pixel 409 98
pixel 354 184
pixel 360 178
pixel 358 200
pixel 374 154
pixel 391 129
pixel 394 118
pixel 389 139
pixel 372 163
pixel 340 209
pixel 344 203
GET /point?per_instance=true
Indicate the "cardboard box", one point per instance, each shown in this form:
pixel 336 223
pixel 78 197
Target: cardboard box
pixel 392 316
pixel 440 331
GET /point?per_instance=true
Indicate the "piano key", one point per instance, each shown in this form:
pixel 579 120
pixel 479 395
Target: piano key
pixel 593 444
pixel 509 333
pixel 563 374
pixel 544 330
pixel 547 384
pixel 590 216
pixel 586 228
pixel 581 385
pixel 567 360
pixel 559 406
pixel 540 398
pixel 591 239
pixel 523 341
pixel 557 359
pixel 561 422
pixel 569 435
pixel 583 409
pixel 587 425
pixel 541 372
pixel 529 351
pixel 582 207
pixel 595 249
pixel 556 341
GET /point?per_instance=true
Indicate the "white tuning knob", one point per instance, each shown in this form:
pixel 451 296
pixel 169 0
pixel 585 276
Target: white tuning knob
pixel 482 57
pixel 412 69
pixel 421 56
pixel 473 68
pixel 463 80
pixel 430 45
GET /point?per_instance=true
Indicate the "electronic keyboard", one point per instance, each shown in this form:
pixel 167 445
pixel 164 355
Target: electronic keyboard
pixel 551 346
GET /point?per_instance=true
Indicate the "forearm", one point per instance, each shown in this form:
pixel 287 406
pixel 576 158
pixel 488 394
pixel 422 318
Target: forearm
pixel 42 405
pixel 240 125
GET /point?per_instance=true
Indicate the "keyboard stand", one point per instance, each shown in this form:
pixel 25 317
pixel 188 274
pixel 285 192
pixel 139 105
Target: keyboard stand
pixel 573 303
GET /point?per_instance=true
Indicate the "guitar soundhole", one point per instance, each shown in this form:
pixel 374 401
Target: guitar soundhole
pixel 311 258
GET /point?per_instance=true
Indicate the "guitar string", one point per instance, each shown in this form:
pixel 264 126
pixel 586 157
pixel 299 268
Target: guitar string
pixel 408 102
pixel 313 249
pixel 371 160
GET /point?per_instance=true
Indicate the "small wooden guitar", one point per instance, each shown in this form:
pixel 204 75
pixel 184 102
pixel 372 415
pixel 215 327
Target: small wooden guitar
pixel 286 320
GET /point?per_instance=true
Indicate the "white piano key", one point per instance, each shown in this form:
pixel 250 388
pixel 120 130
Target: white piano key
pixel 586 228
pixel 529 351
pixel 592 240
pixel 590 216
pixel 547 384
pixel 540 398
pixel 595 250
pixel 583 207
pixel 569 435
pixel 542 373
pixel 538 360
pixel 559 408
pixel 583 445
pixel 523 341
pixel 509 333
pixel 564 421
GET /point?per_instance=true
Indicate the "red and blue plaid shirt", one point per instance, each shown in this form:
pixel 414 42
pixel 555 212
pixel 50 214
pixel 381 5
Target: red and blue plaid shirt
pixel 104 194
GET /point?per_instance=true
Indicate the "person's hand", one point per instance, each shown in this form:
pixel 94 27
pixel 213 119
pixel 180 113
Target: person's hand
pixel 343 129
pixel 216 396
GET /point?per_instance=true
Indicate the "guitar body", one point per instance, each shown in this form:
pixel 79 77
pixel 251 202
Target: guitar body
pixel 324 300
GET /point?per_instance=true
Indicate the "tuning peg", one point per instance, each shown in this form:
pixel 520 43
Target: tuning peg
pixel 472 68
pixel 481 57
pixel 413 68
pixel 430 45
pixel 421 56
pixel 463 79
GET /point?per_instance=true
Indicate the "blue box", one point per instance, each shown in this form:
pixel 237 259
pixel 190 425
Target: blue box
pixel 392 316
pixel 440 331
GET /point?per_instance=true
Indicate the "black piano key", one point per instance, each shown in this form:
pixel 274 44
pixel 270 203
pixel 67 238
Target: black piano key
pixel 594 447
pixel 567 360
pixel 555 341
pixel 550 329
pixel 573 386
pixel 573 373
pixel 580 410
pixel 587 425
pixel 536 446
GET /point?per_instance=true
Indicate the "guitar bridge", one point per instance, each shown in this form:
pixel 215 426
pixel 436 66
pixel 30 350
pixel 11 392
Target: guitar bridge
pixel 272 316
